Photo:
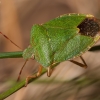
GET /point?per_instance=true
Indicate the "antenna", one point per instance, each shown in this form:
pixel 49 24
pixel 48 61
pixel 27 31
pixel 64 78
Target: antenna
pixel 10 40
pixel 21 70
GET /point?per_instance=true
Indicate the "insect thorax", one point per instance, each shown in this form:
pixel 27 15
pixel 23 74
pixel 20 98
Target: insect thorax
pixel 60 39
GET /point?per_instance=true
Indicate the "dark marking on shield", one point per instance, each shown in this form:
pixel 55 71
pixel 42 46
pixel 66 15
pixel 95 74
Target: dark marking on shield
pixel 89 27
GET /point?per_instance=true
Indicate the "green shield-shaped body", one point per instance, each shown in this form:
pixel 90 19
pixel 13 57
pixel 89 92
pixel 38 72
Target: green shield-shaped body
pixel 62 38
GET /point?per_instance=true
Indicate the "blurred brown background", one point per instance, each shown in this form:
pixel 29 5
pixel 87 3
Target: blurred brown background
pixel 16 20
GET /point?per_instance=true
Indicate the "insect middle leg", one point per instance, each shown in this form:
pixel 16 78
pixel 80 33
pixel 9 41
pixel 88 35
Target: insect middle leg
pixel 49 71
pixel 80 64
pixel 34 76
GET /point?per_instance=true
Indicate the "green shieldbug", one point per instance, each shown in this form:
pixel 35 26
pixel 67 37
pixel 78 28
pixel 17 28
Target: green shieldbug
pixel 63 38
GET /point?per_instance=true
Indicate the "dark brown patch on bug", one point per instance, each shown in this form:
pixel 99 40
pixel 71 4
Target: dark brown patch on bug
pixel 89 27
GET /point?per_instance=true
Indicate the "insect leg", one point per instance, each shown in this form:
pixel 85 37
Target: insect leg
pixel 80 64
pixel 49 71
pixel 21 71
pixel 34 76
pixel 83 61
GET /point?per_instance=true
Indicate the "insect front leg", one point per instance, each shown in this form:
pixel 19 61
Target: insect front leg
pixel 80 64
pixel 34 76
